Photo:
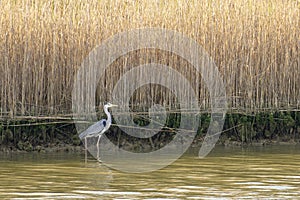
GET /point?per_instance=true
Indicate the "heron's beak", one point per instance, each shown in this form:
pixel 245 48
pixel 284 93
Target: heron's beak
pixel 114 105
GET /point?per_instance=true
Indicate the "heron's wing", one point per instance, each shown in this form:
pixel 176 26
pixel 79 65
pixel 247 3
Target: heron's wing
pixel 94 129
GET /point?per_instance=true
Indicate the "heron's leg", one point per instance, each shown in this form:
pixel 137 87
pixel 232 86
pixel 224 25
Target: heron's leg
pixel 98 147
pixel 85 150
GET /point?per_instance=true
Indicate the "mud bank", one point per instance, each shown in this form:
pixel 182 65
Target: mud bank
pixel 266 128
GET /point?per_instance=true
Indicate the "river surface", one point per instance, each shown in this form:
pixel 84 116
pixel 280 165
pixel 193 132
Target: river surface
pixel 259 172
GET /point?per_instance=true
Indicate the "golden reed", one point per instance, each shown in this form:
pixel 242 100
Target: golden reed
pixel 255 44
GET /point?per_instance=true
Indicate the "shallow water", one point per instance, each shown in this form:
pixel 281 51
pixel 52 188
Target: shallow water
pixel 260 172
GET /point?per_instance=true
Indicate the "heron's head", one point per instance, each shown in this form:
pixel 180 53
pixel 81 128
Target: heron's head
pixel 110 105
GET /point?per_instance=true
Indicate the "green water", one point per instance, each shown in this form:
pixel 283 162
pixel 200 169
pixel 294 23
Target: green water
pixel 261 172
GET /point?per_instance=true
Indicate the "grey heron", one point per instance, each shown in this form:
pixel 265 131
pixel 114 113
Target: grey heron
pixel 98 128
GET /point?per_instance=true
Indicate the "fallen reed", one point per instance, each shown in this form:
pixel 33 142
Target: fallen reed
pixel 254 43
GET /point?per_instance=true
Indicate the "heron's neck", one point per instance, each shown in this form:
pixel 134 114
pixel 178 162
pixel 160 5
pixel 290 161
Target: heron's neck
pixel 107 114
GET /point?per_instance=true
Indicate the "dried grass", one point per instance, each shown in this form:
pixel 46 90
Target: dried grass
pixel 255 44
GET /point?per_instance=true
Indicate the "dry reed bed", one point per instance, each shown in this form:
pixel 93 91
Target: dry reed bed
pixel 255 44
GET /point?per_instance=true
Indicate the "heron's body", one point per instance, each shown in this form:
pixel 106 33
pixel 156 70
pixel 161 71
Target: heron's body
pixel 95 129
pixel 98 128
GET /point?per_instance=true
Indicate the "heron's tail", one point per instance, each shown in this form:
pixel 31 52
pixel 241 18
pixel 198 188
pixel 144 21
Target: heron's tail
pixel 82 135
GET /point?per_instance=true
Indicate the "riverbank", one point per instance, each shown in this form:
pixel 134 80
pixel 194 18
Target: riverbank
pixel 260 129
pixel 62 147
pixel 44 149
